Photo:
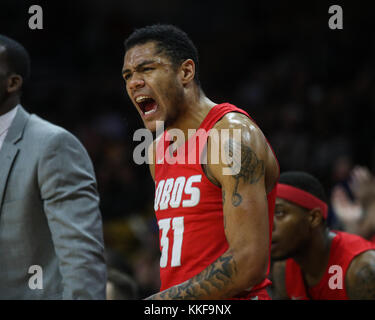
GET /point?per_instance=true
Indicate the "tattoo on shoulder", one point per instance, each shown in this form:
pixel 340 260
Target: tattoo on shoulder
pixel 251 168
pixel 363 286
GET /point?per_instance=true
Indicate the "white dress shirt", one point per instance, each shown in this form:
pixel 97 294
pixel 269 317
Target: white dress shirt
pixel 5 122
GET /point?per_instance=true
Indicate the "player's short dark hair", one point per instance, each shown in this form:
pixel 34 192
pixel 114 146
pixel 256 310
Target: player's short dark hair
pixel 17 58
pixel 304 181
pixel 170 40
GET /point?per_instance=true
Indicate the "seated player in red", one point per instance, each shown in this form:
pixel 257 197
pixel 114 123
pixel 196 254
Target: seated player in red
pixel 215 228
pixel 309 260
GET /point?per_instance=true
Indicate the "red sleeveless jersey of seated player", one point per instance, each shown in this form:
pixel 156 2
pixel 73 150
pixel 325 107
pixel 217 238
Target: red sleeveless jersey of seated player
pixel 344 248
pixel 189 208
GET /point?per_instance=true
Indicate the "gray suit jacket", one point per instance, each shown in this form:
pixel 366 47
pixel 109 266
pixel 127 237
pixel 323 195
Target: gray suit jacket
pixel 49 215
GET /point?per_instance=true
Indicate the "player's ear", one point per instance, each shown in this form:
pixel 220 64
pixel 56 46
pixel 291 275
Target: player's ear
pixel 187 71
pixel 14 83
pixel 315 217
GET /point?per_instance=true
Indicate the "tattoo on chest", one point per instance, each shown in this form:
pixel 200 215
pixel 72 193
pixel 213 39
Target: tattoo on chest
pixel 251 168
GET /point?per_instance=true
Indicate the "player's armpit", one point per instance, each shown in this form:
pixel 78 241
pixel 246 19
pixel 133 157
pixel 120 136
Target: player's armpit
pixel 360 279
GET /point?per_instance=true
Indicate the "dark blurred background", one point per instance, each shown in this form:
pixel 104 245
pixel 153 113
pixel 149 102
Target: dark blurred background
pixel 311 90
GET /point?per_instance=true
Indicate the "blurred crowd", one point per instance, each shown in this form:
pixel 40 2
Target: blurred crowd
pixel 309 88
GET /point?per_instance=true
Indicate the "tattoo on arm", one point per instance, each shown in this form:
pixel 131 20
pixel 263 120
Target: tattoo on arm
pixel 211 281
pixel 363 287
pixel 251 168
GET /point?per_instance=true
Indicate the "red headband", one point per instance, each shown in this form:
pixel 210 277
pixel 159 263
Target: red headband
pixel 301 198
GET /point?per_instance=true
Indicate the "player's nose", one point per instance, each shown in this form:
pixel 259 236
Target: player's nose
pixel 136 83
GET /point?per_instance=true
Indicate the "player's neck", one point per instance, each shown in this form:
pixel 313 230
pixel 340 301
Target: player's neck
pixel 313 260
pixel 196 107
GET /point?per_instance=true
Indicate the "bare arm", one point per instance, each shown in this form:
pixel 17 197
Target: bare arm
pixel 245 213
pixel 360 278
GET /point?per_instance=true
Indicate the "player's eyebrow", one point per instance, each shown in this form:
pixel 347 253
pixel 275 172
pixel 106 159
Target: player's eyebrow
pixel 139 65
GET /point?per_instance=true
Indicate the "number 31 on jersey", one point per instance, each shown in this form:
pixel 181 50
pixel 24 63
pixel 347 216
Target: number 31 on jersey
pixel 178 234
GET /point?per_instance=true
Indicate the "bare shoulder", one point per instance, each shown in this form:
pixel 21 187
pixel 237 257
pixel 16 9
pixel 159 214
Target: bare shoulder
pixel 235 120
pixel 253 143
pixel 278 280
pixel 360 277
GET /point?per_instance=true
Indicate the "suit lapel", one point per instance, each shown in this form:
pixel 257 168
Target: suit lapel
pixel 9 150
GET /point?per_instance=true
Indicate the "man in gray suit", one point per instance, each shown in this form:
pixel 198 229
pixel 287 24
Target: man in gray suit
pixel 51 237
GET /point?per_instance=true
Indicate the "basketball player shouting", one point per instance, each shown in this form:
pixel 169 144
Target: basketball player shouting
pixel 215 227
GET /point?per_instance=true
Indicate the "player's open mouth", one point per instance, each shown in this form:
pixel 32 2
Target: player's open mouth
pixel 147 105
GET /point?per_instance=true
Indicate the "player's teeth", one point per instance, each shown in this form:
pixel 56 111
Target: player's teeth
pixel 149 112
pixel 141 98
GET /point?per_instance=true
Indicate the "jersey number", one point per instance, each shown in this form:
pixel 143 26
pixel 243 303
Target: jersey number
pixel 178 233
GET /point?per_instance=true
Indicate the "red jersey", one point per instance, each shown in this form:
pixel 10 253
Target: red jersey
pixel 189 207
pixel 344 248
